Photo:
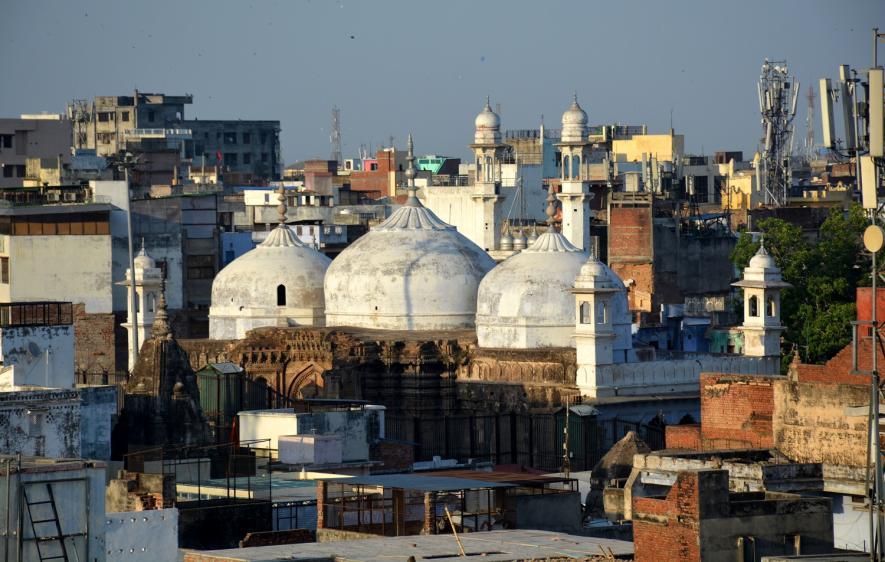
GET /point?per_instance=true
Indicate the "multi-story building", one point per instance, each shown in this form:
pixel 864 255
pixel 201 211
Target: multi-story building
pixel 32 136
pixel 56 245
pixel 247 151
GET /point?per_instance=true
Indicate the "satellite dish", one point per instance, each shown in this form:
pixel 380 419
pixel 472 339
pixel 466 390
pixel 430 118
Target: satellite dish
pixel 873 238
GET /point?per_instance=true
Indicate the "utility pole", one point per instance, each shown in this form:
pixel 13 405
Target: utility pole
pixel 124 163
pixel 335 137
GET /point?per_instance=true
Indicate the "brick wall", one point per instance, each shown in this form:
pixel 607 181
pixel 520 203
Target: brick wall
pixel 668 529
pixel 686 436
pixel 396 456
pixel 95 342
pixel 838 369
pixel 736 411
pixel 630 234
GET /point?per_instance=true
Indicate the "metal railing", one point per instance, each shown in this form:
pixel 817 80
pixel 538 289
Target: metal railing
pixel 13 315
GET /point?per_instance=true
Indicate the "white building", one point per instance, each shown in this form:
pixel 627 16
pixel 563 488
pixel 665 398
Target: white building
pixel 762 285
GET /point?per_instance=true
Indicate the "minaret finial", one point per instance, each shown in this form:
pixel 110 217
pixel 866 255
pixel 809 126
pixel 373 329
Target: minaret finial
pixel 762 251
pixel 282 207
pixel 575 98
pixel 488 102
pixel 551 209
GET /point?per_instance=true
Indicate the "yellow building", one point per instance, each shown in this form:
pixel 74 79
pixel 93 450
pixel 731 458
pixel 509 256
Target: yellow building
pixel 665 148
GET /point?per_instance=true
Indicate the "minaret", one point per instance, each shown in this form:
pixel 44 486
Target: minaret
pixel 148 278
pixel 411 170
pixel 594 331
pixel 575 194
pixel 762 284
pixel 488 151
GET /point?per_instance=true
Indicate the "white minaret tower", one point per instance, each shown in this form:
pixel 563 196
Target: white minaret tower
pixel 148 279
pixel 575 195
pixel 594 332
pixel 488 151
pixel 762 284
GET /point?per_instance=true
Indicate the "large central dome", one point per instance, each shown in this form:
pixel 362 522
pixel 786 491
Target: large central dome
pixel 411 272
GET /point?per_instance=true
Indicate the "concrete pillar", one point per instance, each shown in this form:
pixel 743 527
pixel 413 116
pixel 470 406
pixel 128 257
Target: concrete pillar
pixel 429 513
pixel 322 497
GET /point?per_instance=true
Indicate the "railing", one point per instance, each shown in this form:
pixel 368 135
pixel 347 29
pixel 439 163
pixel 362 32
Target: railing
pixel 14 315
pixel 451 181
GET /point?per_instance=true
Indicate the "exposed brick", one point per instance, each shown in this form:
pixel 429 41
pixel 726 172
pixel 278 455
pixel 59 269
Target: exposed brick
pixel 686 436
pixel 736 411
pixel 95 342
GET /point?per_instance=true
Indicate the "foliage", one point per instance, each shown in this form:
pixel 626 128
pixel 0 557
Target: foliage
pixel 824 272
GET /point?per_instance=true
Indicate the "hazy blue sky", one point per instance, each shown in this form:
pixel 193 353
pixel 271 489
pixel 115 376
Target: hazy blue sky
pixel 423 66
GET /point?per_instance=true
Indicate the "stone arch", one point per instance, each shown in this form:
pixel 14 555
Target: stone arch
pixel 303 381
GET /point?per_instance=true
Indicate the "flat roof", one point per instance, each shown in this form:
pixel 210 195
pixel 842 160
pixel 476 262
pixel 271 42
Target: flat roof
pixel 500 477
pixel 420 482
pixel 491 546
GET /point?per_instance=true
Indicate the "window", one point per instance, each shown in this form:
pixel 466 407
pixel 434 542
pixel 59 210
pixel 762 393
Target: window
pixel 772 307
pixel 601 313
pixel 298 230
pixel 4 271
pixel 151 116
pixel 200 267
pixel 150 302
pixel 262 138
pixel 264 157
pixel 20 170
pixel 230 159
pixel 7 170
pixel 105 116
pixel 247 138
pixel 585 313
pixel 124 116
pixel 753 306
pixel 247 158
pixel 281 295
pixel 6 141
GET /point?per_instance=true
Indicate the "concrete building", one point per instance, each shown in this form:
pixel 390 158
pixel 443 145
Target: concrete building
pixel 32 136
pixel 247 151
pixel 60 252
pixel 58 504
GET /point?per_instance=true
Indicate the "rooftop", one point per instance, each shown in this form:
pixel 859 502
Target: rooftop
pixel 492 546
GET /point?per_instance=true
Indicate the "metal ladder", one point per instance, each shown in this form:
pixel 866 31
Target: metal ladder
pixel 46 540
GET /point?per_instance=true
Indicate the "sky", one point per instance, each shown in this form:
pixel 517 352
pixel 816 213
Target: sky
pixel 395 67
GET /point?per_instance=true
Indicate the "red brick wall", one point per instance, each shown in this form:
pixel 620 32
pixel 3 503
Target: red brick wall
pixel 668 529
pixel 838 369
pixel 736 411
pixel 630 234
pixel 687 436
pixel 94 342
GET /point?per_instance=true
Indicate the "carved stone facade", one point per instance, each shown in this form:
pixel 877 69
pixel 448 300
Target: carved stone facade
pixel 409 372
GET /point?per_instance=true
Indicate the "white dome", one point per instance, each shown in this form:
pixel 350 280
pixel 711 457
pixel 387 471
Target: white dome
pixel 411 272
pixel 279 283
pixel 574 123
pixel 762 259
pixel 526 301
pixel 143 261
pixel 487 126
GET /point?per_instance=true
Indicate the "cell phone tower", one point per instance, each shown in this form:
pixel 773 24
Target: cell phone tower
pixel 778 92
pixel 335 137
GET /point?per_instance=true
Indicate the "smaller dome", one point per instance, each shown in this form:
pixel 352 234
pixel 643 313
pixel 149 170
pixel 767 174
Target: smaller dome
pixel 574 123
pixel 762 259
pixel 487 126
pixel 143 260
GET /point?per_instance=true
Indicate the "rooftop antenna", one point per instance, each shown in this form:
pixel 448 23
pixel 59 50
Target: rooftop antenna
pixel 335 136
pixel 778 91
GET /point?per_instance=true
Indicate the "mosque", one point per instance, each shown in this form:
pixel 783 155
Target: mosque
pixel 416 317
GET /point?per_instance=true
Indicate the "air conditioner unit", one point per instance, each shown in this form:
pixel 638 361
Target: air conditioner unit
pixel 70 196
pixel 52 197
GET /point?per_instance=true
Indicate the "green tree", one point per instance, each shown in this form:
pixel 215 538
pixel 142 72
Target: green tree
pixel 825 273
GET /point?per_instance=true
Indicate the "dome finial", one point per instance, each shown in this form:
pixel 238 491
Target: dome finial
pixel 411 172
pixel 282 208
pixel 762 251
pixel 575 98
pixel 488 106
pixel 551 209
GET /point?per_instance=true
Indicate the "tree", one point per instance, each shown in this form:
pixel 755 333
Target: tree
pixel 825 274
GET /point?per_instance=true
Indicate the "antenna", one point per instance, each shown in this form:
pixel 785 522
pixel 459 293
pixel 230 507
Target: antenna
pixel 826 110
pixel 877 142
pixel 846 86
pixel 335 137
pixel 778 91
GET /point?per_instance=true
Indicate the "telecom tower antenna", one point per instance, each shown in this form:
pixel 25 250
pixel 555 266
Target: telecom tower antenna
pixel 809 125
pixel 335 137
pixel 778 91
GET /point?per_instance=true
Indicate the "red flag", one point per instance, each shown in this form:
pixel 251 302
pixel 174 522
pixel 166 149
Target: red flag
pixel 218 157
